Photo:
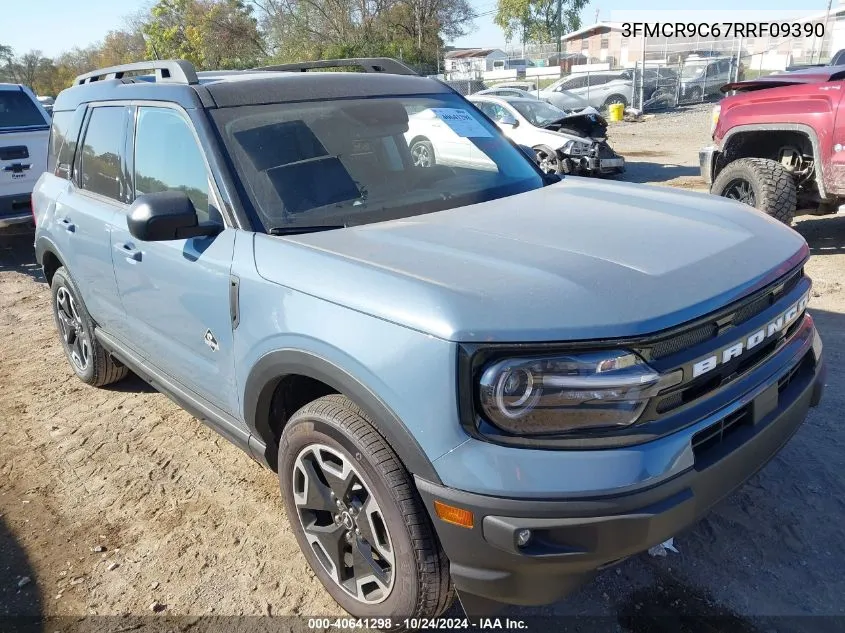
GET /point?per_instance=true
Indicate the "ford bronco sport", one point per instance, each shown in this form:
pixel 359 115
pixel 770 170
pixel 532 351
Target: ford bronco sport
pixel 777 143
pixel 474 377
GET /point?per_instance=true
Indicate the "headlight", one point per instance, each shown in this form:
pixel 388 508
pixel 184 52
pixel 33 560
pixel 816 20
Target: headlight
pixel 575 148
pixel 556 394
pixel 714 118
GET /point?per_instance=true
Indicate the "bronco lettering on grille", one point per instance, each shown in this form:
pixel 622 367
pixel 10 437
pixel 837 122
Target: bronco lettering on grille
pixel 726 354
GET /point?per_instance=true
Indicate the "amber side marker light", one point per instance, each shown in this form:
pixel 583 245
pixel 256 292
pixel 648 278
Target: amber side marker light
pixel 451 514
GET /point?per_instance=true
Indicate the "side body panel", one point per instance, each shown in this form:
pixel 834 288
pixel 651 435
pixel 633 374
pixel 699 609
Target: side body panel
pixel 412 374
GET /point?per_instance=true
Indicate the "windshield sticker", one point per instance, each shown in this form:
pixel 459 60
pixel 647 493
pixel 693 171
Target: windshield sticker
pixel 461 122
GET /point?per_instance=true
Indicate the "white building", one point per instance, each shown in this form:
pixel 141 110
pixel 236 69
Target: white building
pixel 470 63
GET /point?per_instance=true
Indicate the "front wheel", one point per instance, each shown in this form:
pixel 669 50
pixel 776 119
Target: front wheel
pixel 614 100
pixel 357 515
pixel 422 153
pixel 548 159
pixel 761 183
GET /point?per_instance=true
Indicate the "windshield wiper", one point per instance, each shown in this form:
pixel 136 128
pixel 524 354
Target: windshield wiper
pixel 296 230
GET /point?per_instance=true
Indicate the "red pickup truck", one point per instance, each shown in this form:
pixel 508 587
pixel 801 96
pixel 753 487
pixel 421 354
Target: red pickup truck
pixel 779 143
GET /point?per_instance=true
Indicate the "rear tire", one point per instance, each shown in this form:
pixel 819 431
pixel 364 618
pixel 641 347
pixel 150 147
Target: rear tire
pixel 761 183
pixel 89 360
pixel 613 99
pixel 354 509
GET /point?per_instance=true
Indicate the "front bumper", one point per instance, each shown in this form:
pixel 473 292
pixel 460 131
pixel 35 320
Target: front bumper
pixel 573 539
pixel 707 161
pixel 15 209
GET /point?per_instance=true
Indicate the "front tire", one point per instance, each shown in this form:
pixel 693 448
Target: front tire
pixel 89 360
pixel 548 159
pixel 614 99
pixel 422 153
pixel 761 183
pixel 357 515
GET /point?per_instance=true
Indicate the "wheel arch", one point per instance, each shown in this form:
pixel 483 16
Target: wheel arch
pixel 315 376
pixel 737 137
pixel 48 256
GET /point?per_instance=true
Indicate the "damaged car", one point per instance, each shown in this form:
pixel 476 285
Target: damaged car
pixel 563 142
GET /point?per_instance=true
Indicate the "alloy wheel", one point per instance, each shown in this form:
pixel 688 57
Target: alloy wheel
pixel 740 190
pixel 548 164
pixel 73 333
pixel 343 523
pixel 421 155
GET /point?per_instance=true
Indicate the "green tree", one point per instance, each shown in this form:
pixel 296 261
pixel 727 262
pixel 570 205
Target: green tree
pixel 211 34
pixel 536 21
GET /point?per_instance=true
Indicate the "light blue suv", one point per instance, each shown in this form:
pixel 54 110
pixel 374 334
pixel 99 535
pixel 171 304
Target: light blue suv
pixel 477 378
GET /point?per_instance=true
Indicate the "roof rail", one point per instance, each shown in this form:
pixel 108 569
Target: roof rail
pixel 369 64
pixel 166 71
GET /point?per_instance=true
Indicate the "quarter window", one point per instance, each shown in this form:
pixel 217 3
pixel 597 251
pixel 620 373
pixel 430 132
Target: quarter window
pixel 100 163
pixel 167 158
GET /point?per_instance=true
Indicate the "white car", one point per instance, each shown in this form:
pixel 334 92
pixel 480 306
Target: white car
pixel 507 92
pixel 433 142
pixel 597 89
pixel 24 133
pixel 563 142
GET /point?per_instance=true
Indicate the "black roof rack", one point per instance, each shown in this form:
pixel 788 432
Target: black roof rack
pixel 369 64
pixel 166 71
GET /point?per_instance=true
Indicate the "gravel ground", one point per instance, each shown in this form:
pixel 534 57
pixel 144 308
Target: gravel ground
pixel 115 501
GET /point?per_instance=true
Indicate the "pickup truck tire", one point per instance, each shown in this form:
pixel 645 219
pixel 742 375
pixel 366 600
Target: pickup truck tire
pixel 762 183
pixel 89 360
pixel 345 491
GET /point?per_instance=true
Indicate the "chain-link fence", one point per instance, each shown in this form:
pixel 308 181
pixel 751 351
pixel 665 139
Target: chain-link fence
pixel 649 74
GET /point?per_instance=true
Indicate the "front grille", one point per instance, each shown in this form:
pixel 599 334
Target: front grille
pixel 730 317
pixel 716 433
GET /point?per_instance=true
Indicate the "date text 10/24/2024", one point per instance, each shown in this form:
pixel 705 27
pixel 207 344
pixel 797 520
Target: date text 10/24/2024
pixel 417 624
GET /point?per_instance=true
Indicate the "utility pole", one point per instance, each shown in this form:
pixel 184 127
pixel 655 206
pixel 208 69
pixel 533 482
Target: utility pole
pixel 826 19
pixel 559 29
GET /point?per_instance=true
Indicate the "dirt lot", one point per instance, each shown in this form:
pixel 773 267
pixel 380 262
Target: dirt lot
pixel 192 527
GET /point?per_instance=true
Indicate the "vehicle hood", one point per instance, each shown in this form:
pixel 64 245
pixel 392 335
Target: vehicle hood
pixel 581 259
pixel 587 123
pixel 812 75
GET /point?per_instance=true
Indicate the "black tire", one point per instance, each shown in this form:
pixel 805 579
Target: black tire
pixel 771 187
pixel 421 585
pixel 89 360
pixel 615 99
pixel 548 160
pixel 422 153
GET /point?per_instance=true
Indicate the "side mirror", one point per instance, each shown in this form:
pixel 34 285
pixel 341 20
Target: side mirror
pixel 508 123
pixel 167 215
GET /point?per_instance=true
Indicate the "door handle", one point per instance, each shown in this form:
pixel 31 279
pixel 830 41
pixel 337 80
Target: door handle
pixel 129 251
pixel 70 227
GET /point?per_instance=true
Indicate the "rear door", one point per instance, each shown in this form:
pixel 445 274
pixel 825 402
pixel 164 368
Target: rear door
pixel 85 213
pixel 24 129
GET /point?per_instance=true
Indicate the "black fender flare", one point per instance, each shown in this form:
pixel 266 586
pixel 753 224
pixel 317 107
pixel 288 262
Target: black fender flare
pixel 271 368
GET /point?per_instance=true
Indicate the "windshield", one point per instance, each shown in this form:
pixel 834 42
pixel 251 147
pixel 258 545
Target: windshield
pixel 538 113
pixel 692 72
pixel 18 111
pixel 348 162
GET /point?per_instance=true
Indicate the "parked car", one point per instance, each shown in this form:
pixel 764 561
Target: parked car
pixel 24 131
pixel 527 86
pixel 702 78
pixel 563 143
pixel 47 104
pixel 495 381
pixel 838 59
pixel 597 89
pixel 777 144
pixel 508 92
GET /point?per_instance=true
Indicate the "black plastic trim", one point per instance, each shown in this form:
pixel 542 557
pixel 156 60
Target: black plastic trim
pixel 193 403
pixel 274 366
pixel 572 538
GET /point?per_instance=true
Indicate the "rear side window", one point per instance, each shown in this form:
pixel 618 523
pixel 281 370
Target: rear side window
pixel 18 111
pixel 64 133
pixel 167 158
pixel 100 164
